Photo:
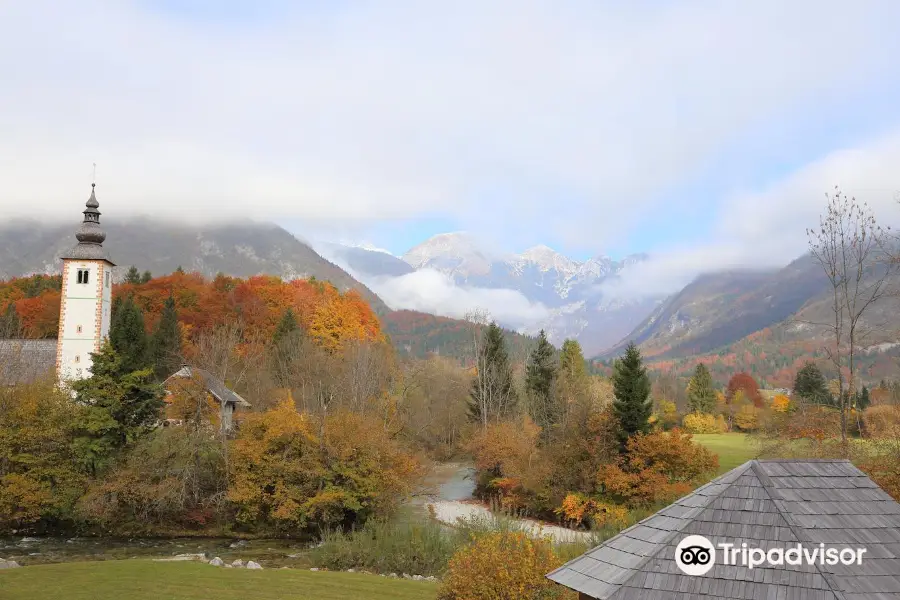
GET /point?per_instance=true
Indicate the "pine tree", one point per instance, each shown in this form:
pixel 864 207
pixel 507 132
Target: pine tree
pixel 492 394
pixel 146 277
pixel 631 386
pixel 540 372
pixel 10 324
pixel 120 406
pixel 863 400
pixel 701 393
pixel 133 275
pixel 179 270
pixel 810 385
pixel 286 328
pixel 166 341
pixel 129 337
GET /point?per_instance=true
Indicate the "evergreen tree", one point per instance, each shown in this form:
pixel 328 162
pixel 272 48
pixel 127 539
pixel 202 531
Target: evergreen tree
pixel 287 327
pixel 492 394
pixel 540 372
pixel 179 270
pixel 129 337
pixel 120 406
pixel 701 393
pixel 10 324
pixel 146 277
pixel 133 275
pixel 631 386
pixel 810 385
pixel 166 341
pixel 862 399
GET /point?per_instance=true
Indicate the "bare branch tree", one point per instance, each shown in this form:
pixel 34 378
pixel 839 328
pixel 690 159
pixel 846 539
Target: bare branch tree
pixel 848 246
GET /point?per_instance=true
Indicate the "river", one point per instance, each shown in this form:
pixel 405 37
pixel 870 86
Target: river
pixel 452 485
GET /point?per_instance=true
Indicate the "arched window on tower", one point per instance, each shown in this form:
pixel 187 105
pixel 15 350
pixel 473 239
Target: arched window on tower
pixel 83 275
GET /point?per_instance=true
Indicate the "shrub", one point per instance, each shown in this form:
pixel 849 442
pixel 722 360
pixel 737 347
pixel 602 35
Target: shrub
pixel 747 418
pixel 882 421
pixel 174 476
pixel 883 466
pixel 578 509
pixel 658 467
pixel 700 423
pixel 503 566
pixel 417 548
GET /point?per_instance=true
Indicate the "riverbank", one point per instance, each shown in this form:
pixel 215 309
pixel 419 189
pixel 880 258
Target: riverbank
pixel 451 512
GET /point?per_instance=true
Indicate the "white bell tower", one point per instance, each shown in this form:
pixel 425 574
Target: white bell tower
pixel 86 303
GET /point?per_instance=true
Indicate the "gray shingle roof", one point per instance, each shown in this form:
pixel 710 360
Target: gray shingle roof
pixel 213 384
pixel 23 361
pixel 767 504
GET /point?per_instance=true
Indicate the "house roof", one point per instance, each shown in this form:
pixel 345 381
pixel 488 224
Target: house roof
pixel 767 504
pixel 23 361
pixel 213 384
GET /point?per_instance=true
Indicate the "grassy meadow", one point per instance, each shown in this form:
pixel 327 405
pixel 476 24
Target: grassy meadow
pixel 146 580
pixel 733 449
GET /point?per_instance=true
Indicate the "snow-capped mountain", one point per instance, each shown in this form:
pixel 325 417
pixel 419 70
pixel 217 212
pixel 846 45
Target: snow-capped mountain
pixel 456 254
pixel 568 288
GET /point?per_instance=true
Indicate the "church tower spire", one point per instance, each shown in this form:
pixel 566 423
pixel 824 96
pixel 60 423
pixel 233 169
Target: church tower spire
pixel 86 296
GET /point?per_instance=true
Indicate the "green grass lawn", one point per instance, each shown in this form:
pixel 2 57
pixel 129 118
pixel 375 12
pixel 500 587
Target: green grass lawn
pixel 733 448
pixel 145 579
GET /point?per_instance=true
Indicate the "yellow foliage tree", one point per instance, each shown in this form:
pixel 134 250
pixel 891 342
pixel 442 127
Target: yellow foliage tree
pixel 343 318
pixel 781 403
pixel 38 473
pixel 291 472
pixel 503 566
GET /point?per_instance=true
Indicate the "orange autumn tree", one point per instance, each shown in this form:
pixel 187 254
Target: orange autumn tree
pixel 657 467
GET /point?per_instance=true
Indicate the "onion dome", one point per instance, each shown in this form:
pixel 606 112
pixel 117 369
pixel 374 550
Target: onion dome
pixel 90 235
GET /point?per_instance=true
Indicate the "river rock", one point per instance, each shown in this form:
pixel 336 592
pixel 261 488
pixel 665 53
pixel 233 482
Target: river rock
pixel 238 544
pixel 253 565
pixel 9 564
pixel 314 569
pixel 237 563
pixel 227 566
pixel 217 562
pixel 180 557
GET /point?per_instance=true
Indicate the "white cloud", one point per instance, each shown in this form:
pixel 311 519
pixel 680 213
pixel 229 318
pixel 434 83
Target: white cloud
pixel 767 228
pixel 434 292
pixel 382 110
pixel 430 291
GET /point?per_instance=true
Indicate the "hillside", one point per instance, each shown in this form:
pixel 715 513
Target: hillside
pixel 718 309
pixel 239 250
pixel 419 334
pixel 786 312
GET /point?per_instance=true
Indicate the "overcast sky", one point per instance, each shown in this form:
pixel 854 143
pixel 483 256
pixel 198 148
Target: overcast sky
pixel 703 132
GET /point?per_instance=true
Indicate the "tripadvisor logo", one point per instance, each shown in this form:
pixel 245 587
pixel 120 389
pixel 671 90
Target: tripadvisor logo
pixel 695 555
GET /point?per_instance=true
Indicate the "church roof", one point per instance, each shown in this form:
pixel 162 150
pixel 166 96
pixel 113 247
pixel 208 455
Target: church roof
pixel 213 385
pixel 24 361
pixel 767 504
pixel 90 235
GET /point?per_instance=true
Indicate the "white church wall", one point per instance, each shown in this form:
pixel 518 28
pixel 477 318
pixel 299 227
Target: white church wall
pixel 84 316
